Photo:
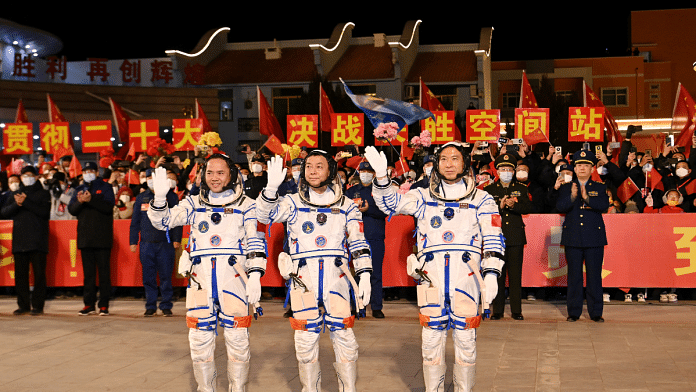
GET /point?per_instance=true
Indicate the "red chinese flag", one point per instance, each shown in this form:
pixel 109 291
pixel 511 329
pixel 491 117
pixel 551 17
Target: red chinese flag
pixel 142 132
pixel 592 101
pixel 121 119
pixel 429 101
pixel 595 175
pixel 186 132
pixel 627 189
pixel 653 180
pixel 96 136
pixel 133 177
pixel 21 116
pixel 205 124
pixel 527 98
pixel 325 110
pixel 400 167
pixel 75 168
pixel 193 173
pixel 268 123
pixel 60 151
pixel 130 155
pixel 683 118
pixel 54 114
pixel 274 145
pixel 354 162
pixel 406 151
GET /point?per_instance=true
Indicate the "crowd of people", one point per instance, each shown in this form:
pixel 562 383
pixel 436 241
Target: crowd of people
pixel 49 192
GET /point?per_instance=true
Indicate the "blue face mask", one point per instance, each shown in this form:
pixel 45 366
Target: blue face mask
pixel 505 176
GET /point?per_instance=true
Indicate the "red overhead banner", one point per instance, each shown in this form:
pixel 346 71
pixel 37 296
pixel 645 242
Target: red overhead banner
pixel 186 132
pixel 303 130
pixel 17 139
pixel 347 129
pixel 142 132
pixel 586 124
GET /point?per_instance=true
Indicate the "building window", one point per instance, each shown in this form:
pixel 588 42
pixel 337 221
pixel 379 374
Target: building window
pixel 226 111
pixel 511 100
pixel 615 96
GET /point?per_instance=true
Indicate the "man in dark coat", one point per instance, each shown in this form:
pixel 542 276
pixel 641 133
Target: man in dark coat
pixel 29 208
pixel 92 205
pixel 583 201
pixel 512 198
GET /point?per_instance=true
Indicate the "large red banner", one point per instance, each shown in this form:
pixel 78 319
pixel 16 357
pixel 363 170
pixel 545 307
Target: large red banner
pixel 664 256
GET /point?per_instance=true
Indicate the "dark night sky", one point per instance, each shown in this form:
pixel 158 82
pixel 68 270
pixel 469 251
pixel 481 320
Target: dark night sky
pixel 520 33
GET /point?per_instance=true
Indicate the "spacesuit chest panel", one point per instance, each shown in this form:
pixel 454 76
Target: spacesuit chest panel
pixel 216 230
pixel 449 223
pixel 317 229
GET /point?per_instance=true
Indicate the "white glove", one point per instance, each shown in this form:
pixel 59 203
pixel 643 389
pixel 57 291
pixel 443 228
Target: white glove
pixel 365 288
pixel 276 175
pixel 377 160
pixel 160 185
pixel 253 288
pixel 491 283
pixel 411 265
pixel 184 263
pixel 284 265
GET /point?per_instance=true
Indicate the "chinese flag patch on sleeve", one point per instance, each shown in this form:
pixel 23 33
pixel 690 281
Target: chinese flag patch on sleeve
pixel 362 227
pixel 496 220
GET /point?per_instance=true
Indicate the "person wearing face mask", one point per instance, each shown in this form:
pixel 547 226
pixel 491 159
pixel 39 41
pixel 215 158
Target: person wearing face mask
pixel 12 184
pixel 157 248
pixel 683 180
pixel 257 179
pixel 290 185
pixel 583 201
pixel 124 203
pixel 424 181
pixel 564 176
pixel 512 198
pixel 60 197
pixel 374 221
pixel 93 204
pixel 29 209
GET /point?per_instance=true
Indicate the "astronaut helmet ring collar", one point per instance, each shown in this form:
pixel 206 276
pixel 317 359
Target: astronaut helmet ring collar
pixel 234 174
pixel 333 169
pixel 465 158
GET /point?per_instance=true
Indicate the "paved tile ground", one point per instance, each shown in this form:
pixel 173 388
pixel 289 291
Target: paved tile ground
pixel 641 347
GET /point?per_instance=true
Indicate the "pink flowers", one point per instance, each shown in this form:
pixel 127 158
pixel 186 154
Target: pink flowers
pixel 387 131
pixel 424 140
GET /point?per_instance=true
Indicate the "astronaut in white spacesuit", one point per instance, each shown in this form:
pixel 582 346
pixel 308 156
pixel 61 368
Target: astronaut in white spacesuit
pixel 324 229
pixel 225 262
pixel 459 239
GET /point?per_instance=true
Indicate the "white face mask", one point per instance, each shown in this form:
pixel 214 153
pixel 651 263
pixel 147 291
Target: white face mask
pixel 28 180
pixel 428 170
pixel 567 178
pixel 647 167
pixel 151 184
pixel 505 177
pixel 602 170
pixel 522 175
pixel 256 168
pixel 412 174
pixel 14 187
pixel 296 175
pixel 89 177
pixel 244 177
pixel 682 172
pixel 124 198
pixel 172 183
pixel 366 178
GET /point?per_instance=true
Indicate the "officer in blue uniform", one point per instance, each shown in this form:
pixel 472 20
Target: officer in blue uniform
pixel 583 201
pixel 427 168
pixel 157 250
pixel 290 186
pixel 374 223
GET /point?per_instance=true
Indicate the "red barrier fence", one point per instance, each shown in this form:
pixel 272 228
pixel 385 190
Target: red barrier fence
pixel 645 250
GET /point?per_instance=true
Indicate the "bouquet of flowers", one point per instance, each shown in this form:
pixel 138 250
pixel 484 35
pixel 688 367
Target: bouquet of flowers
pixel 422 141
pixel 208 143
pixel 386 131
pixel 159 148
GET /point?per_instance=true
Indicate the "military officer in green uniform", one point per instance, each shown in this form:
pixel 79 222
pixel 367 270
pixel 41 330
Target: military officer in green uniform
pixel 513 201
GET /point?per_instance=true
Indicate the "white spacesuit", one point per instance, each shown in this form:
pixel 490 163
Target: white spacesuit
pixel 224 246
pixel 324 228
pixel 456 225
